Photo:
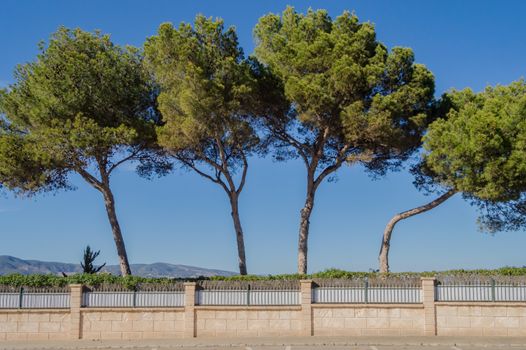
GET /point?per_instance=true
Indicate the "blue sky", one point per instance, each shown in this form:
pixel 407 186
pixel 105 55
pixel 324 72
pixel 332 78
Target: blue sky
pixel 185 219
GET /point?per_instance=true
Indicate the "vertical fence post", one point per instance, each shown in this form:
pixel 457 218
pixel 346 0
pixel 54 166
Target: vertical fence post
pixel 428 299
pixel 21 298
pixel 248 294
pixel 366 291
pixel 492 289
pixel 306 306
pixel 189 309
pixel 75 303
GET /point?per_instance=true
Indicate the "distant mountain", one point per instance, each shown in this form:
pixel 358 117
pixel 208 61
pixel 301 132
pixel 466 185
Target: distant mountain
pixel 10 264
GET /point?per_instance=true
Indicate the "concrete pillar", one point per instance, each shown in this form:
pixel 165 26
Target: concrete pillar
pixel 306 307
pixel 75 303
pixel 428 298
pixel 189 310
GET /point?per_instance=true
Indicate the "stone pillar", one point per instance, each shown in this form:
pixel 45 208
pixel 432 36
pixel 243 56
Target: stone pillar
pixel 306 306
pixel 189 309
pixel 428 298
pixel 75 303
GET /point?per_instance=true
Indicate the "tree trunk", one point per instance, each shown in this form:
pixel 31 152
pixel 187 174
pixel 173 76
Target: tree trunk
pixel 116 229
pixel 304 229
pixel 239 233
pixel 386 241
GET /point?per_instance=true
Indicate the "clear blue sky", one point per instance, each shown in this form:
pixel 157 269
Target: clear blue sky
pixel 185 219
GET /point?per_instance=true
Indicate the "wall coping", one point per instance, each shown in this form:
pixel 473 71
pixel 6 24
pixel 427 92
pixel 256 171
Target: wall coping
pixel 249 307
pixel 480 303
pixel 368 305
pixel 132 309
pixel 36 311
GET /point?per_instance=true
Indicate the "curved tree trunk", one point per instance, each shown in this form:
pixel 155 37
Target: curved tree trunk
pixel 109 202
pixel 239 233
pixel 386 241
pixel 304 229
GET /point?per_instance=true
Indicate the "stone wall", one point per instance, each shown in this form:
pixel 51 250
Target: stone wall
pixel 371 320
pixel 132 323
pixel 479 319
pixel 34 324
pixel 248 321
pixel 428 318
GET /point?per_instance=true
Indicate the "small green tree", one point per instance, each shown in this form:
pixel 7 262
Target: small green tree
pixel 352 99
pixel 88 105
pixel 476 149
pixel 88 259
pixel 209 96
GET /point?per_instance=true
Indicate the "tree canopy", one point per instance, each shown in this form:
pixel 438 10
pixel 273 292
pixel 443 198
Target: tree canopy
pixel 476 148
pixel 22 171
pixel 479 149
pixel 88 105
pixel 352 99
pixel 209 96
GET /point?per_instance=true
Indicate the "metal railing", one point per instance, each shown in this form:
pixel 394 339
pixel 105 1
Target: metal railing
pixel 133 299
pixel 248 293
pixel 489 291
pixel 365 291
pixel 375 295
pixel 35 299
pixel 279 293
pixel 248 297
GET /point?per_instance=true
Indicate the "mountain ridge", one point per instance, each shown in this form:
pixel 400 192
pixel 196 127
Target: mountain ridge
pixel 10 264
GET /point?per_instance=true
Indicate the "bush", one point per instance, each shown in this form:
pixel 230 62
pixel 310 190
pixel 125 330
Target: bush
pixel 18 280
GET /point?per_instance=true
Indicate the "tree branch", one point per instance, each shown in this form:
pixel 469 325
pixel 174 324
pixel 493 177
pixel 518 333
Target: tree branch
pixel 244 174
pixel 332 168
pixel 92 180
pixel 224 165
pixel 285 137
pixel 125 159
pixel 216 180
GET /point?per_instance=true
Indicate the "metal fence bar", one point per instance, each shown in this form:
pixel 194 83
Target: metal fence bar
pixel 367 294
pixel 481 292
pixel 30 300
pixel 133 299
pixel 248 297
pixel 9 300
pixel 45 300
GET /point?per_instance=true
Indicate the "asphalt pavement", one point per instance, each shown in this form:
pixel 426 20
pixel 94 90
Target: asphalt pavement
pixel 289 343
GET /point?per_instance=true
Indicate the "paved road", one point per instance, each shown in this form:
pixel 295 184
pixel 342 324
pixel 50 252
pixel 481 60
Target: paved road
pixel 299 343
pixel 350 347
pixel 365 347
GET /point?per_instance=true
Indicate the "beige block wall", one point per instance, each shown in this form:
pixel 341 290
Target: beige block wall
pixel 370 320
pixel 248 321
pixel 479 319
pixel 132 323
pixel 452 319
pixel 34 324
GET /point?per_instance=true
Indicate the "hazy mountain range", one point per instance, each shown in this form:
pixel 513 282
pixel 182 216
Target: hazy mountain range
pixel 10 264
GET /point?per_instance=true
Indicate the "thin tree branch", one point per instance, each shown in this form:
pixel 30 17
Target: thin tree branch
pixel 224 165
pixel 244 174
pixel 92 180
pixel 216 180
pixel 123 160
pixel 285 137
pixel 332 168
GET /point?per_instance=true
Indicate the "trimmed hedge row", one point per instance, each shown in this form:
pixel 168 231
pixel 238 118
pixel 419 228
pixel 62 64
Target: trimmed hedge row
pixel 18 280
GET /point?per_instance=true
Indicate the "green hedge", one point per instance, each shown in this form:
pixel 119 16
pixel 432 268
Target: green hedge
pixel 336 273
pixel 18 280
